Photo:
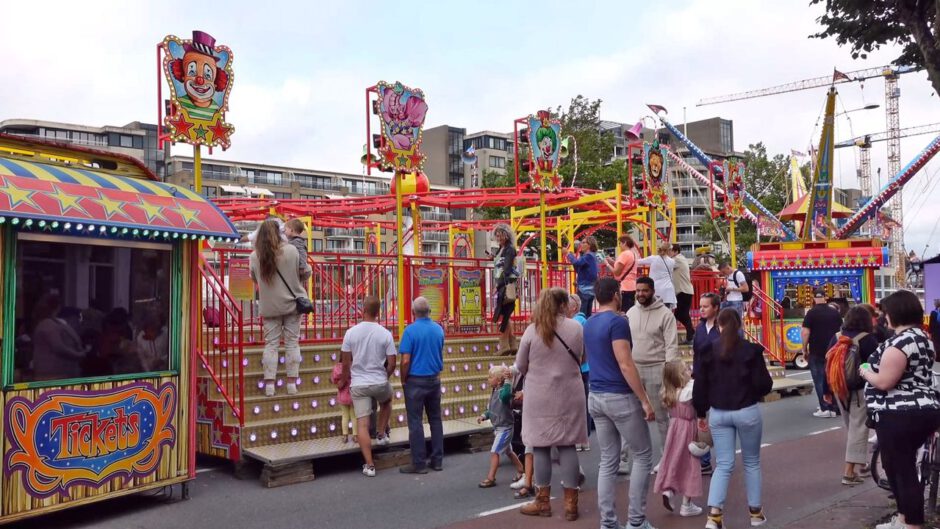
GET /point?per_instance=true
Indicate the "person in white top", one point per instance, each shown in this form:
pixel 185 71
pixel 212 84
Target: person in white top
pixel 368 355
pixel 735 286
pixel 661 269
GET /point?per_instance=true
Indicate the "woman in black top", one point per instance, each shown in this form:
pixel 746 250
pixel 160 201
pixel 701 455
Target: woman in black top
pixel 732 378
pixel 856 327
pixel 505 274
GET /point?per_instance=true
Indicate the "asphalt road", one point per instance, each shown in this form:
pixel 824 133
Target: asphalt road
pixel 342 497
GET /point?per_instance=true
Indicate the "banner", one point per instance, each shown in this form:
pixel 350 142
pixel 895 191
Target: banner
pixel 768 227
pixel 240 284
pixel 545 142
pixel 432 286
pixel 402 111
pixel 470 304
pixel 655 169
pixel 68 438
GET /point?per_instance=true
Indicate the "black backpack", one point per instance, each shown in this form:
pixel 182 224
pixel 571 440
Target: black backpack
pixel 747 279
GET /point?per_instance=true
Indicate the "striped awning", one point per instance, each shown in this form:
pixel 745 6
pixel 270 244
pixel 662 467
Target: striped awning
pixel 68 193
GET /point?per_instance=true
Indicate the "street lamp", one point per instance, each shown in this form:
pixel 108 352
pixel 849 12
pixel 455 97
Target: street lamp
pixel 870 106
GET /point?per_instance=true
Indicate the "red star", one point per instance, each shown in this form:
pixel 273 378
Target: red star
pixel 219 131
pixel 389 155
pixel 416 159
pixel 181 125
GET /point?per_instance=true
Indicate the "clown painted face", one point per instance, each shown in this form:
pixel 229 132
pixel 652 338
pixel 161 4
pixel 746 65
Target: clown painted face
pixel 199 77
pixel 547 147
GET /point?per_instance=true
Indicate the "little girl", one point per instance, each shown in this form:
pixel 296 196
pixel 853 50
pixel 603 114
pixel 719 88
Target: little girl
pixel 344 399
pixel 679 471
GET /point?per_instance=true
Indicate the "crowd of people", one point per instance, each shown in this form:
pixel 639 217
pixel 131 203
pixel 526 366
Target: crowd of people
pixel 606 359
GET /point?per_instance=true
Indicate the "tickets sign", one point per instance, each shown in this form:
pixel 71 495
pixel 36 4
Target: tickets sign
pixel 67 438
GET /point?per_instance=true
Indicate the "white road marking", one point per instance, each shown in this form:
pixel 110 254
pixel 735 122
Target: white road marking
pixel 824 431
pixel 763 445
pixel 208 469
pixel 503 509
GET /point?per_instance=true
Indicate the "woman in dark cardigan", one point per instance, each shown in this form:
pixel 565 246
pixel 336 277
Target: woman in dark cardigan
pixel 504 275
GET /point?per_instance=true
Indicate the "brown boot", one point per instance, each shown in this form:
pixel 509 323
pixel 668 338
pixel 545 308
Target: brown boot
pixel 571 504
pixel 541 506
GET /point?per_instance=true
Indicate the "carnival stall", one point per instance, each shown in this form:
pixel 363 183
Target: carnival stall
pixel 98 314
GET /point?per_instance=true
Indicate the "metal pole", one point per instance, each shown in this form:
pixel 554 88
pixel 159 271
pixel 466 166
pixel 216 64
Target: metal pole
pixel 543 240
pixel 401 256
pixel 619 213
pixel 734 247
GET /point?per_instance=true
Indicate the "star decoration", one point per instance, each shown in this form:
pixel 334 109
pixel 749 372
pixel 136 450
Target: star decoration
pixel 402 160
pixel 416 159
pixel 180 125
pixel 389 155
pixel 68 202
pixel 152 211
pixel 111 207
pixel 189 215
pixel 220 132
pixel 19 196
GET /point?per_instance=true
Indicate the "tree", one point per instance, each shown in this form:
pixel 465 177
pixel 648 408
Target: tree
pixel 766 180
pixel 866 25
pixel 494 179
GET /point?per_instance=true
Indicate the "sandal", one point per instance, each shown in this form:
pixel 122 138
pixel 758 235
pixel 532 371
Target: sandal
pixel 524 492
pixel 487 483
pixel 519 475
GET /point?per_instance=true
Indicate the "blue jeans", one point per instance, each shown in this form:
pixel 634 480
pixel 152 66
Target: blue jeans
pixel 619 416
pixel 587 303
pixel 736 305
pixel 728 426
pixel 817 368
pixel 423 395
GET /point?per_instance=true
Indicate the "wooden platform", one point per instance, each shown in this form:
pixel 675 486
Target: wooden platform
pixel 784 387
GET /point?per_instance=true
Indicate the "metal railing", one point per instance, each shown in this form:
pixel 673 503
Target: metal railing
pixel 220 340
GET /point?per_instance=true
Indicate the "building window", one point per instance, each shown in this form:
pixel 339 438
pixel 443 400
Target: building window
pixel 282 195
pixel 359 245
pixel 497 162
pixel 210 191
pixel 187 166
pixel 726 137
pixel 318 245
pixel 91 307
pixel 258 176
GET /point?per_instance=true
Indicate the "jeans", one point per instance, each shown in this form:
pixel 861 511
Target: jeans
pixel 747 425
pixel 289 327
pixel 652 377
pixel 619 416
pixel 817 368
pixel 900 434
pixel 683 305
pixel 587 303
pixel 627 299
pixel 423 395
pixel 736 305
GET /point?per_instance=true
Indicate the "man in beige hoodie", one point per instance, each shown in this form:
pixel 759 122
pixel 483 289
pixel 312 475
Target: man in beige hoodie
pixel 655 342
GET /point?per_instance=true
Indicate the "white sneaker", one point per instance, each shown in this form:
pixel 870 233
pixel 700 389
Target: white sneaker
pixel 645 525
pixel 368 471
pixel 269 390
pixel 832 414
pixel 655 469
pixel 382 441
pixel 516 485
pixel 690 509
pixel 821 414
pixel 291 389
pixel 894 523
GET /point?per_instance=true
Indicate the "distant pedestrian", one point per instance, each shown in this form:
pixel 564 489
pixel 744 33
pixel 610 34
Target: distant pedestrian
pixel 731 380
pixel 422 360
pixel 585 268
pixel 499 413
pixel 735 288
pixel 680 472
pixel 661 268
pixel 369 359
pixel 682 281
pixel 856 333
pixel 820 324
pixel 553 415
pixel 505 276
pixel 903 403
pixel 625 270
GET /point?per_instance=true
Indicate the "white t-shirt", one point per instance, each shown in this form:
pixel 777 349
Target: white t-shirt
pixel 734 295
pixel 661 268
pixel 369 344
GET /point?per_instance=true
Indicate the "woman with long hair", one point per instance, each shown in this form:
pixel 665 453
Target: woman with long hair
pixel 857 331
pixel 274 268
pixel 731 380
pixel 902 403
pixel 507 290
pixel 554 413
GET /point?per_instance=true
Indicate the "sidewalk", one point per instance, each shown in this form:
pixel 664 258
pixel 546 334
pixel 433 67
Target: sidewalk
pixel 801 489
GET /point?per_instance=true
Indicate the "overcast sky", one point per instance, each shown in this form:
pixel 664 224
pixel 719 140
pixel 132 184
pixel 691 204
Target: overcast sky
pixel 300 71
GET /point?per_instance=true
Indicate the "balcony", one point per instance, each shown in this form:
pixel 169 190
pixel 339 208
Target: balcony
pixel 431 215
pixel 689 237
pixel 439 236
pixel 691 219
pixel 345 232
pixel 692 201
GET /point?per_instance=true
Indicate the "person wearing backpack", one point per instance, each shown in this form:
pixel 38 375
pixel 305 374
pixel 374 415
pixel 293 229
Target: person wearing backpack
pixel 737 288
pixel 848 350
pixel 820 324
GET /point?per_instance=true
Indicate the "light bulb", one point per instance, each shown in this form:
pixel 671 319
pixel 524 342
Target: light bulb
pixel 257 410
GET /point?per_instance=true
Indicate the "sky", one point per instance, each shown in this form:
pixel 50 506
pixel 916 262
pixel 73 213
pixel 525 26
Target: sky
pixel 301 69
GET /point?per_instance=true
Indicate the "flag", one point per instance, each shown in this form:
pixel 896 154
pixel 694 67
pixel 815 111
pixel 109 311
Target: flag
pixel 769 227
pixel 657 109
pixel 794 152
pixel 839 76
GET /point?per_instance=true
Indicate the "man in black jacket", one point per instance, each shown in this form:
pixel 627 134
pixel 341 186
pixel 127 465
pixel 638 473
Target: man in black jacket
pixel 820 324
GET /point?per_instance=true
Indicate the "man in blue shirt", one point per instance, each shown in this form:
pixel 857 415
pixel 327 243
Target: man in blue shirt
pixel 619 405
pixel 422 360
pixel 585 269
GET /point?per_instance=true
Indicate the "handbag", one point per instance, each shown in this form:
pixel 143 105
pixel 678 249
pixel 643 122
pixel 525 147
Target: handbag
pixel 570 352
pixel 704 436
pixel 303 303
pixel 509 294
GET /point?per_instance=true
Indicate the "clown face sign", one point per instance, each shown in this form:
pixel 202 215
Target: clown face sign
pixel 545 139
pixel 200 77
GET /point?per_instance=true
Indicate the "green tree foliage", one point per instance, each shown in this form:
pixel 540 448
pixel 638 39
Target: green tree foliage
pixel 767 179
pixel 866 25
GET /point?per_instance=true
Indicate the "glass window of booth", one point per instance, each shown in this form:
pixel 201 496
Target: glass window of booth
pixel 90 307
pixel 798 297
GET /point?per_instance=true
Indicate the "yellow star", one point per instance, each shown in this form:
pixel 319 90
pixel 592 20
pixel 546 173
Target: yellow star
pixel 19 196
pixel 152 211
pixel 67 202
pixel 189 215
pixel 111 207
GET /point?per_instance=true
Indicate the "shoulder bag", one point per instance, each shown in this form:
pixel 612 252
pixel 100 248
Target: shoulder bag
pixel 570 352
pixel 625 274
pixel 303 303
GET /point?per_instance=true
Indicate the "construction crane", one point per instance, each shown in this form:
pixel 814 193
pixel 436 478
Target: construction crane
pixel 864 146
pixel 892 94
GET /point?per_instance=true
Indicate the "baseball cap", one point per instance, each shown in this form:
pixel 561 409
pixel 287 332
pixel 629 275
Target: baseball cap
pixel 819 294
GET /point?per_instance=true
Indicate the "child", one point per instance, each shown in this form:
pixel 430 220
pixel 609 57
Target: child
pixel 500 416
pixel 294 230
pixel 679 471
pixel 344 399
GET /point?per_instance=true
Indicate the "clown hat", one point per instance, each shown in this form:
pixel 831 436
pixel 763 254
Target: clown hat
pixel 203 43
